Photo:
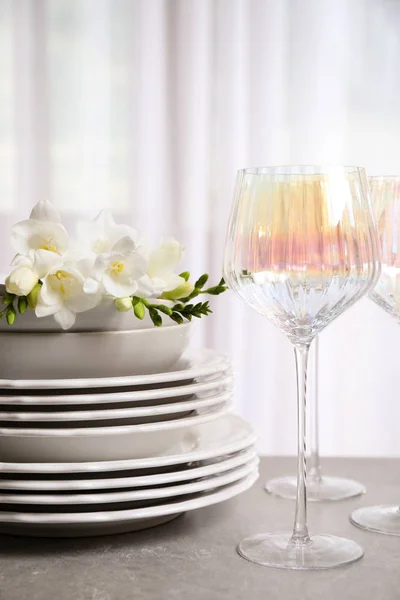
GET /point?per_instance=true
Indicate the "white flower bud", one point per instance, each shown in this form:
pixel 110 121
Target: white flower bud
pixel 21 281
pixel 183 290
pixel 123 304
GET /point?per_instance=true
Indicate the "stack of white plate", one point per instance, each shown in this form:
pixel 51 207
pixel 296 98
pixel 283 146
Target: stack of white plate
pixel 97 455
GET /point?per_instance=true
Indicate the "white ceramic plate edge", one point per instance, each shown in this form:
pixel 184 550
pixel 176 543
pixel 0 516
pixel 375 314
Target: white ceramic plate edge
pixel 128 482
pixel 137 513
pixel 87 432
pixel 211 482
pixel 216 363
pixel 247 438
pixel 129 396
pixel 119 413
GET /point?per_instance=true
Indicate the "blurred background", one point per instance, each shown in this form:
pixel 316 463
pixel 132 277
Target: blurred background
pixel 150 106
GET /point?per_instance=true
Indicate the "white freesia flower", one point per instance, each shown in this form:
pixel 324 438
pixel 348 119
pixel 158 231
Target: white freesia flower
pixel 29 269
pixel 42 231
pixel 21 281
pixel 45 211
pixel 119 273
pixel 100 235
pixel 63 296
pixel 162 263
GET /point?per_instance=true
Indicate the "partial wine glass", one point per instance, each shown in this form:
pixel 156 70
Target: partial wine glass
pixel 385 196
pixel 301 249
pixel 320 487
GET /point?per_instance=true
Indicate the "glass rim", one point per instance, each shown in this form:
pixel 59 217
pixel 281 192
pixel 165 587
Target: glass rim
pixel 316 169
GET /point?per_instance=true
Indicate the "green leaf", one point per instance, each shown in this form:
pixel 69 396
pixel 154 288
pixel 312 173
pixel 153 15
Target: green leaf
pixel 145 302
pixel 177 318
pixel 178 307
pixel 22 304
pixel 185 275
pixel 155 317
pixel 139 310
pixel 187 308
pixel 200 283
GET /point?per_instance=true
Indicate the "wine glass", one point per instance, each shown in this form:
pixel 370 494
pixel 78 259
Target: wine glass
pixel 385 194
pixel 319 487
pixel 301 248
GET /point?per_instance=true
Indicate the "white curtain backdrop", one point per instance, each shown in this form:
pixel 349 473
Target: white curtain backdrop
pixel 150 106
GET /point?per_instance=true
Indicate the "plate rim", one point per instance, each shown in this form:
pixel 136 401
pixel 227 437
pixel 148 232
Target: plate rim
pixel 86 518
pixel 227 462
pixel 248 437
pixel 89 432
pixel 219 361
pixel 115 414
pixel 105 397
pixel 190 487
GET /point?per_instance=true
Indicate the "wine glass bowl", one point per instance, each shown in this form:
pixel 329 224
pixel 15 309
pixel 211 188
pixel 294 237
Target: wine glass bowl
pixel 293 251
pixel 385 196
pixel 301 248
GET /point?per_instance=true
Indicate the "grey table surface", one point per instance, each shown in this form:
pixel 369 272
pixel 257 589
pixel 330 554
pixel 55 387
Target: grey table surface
pixel 194 557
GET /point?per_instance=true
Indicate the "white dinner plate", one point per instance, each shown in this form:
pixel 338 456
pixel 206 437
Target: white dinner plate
pixel 193 364
pixel 100 443
pixel 113 481
pixel 116 521
pixel 192 487
pixel 222 435
pixel 149 396
pixel 25 418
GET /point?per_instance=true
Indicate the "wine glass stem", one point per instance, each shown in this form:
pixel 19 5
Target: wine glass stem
pixel 314 471
pixel 300 531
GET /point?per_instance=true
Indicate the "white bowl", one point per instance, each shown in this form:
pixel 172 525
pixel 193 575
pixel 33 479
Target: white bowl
pixel 104 317
pixel 91 354
pixel 103 443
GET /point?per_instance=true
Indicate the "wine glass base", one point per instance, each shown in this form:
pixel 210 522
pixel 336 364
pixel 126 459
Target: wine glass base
pixel 380 519
pixel 322 552
pixel 327 489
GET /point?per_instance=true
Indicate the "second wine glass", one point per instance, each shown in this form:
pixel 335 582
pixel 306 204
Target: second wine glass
pixel 385 192
pixel 301 249
pixel 320 487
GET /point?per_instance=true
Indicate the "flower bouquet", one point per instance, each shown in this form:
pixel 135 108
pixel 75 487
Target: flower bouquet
pixel 54 274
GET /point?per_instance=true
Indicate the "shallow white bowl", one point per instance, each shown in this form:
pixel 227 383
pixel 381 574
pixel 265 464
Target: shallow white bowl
pixel 103 443
pixel 91 354
pixel 104 317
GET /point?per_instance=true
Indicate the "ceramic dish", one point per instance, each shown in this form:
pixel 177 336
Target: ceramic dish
pixel 221 436
pixel 115 521
pixel 114 481
pixel 107 399
pixel 194 364
pixel 90 416
pixel 100 443
pixel 92 354
pixel 131 496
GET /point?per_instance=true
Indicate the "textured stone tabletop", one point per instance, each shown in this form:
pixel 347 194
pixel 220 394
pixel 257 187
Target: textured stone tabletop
pixel 194 557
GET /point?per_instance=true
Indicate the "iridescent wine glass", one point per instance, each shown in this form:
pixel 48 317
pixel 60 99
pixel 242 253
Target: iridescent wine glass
pixel 320 487
pixel 301 249
pixel 385 195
